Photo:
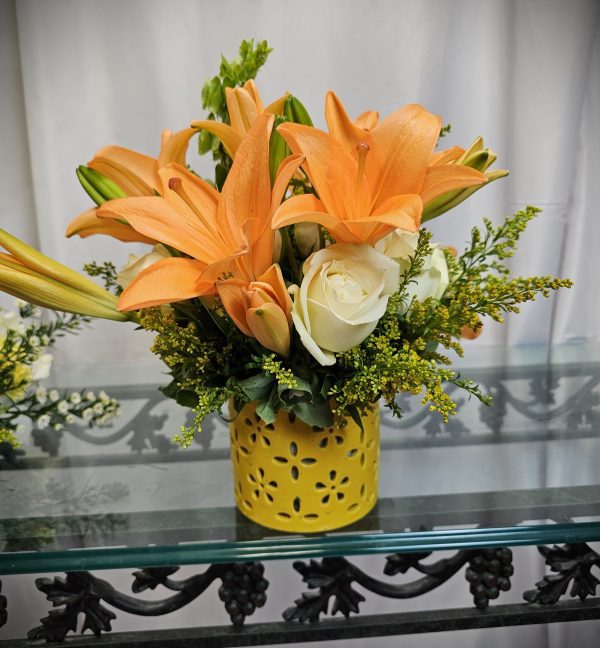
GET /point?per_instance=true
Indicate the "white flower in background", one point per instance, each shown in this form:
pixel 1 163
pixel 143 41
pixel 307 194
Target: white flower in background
pixel 103 397
pixel 40 368
pixel 90 396
pixel 34 340
pixel 63 407
pixel 75 398
pixel 433 279
pixel 41 395
pixel 37 313
pixel 136 263
pixel 54 395
pixel 343 295
pixel 43 421
pixel 45 340
pixel 58 427
pixel 98 408
pixel 10 321
pixel 70 418
pixel 88 414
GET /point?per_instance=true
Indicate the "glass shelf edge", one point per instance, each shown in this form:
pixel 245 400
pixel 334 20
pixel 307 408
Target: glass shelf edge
pixel 286 549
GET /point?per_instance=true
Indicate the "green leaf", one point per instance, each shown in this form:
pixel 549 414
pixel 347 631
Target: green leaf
pixel 257 387
pixel 186 398
pixel 315 414
pixel 266 412
pixel 355 416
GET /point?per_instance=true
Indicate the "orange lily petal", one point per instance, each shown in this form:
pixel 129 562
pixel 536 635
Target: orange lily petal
pixel 330 167
pixel 242 109
pixel 441 179
pixel 340 125
pixel 133 172
pixel 270 327
pixel 252 90
pixel 88 224
pixel 401 147
pixel 276 107
pixel 284 174
pixel 157 219
pixel 247 191
pixel 367 120
pixel 274 278
pixel 174 146
pixel 235 301
pixel 446 156
pixel 165 281
pixel 229 137
pixel 304 208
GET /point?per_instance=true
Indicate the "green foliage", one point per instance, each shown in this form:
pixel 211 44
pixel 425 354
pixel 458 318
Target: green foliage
pixel 231 74
pixel 107 272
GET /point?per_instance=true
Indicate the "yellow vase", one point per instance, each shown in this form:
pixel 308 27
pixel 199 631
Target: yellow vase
pixel 289 476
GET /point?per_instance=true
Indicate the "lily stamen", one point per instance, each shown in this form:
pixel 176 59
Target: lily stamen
pixel 362 148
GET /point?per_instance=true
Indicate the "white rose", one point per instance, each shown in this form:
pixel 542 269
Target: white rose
pixel 136 263
pixel 433 279
pixel 343 295
pixel 40 368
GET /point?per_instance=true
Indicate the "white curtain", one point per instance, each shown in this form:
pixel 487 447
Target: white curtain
pixel 79 74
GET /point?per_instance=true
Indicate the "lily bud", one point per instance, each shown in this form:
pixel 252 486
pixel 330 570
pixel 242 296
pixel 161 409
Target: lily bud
pixel 33 287
pixel 98 187
pixel 260 309
pixel 278 149
pixel 44 266
pixel 270 327
pixel 294 111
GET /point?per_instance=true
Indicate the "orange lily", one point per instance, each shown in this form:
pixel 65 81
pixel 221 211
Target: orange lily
pixel 243 105
pixel 136 175
pixel 369 182
pixel 225 234
pixel 261 309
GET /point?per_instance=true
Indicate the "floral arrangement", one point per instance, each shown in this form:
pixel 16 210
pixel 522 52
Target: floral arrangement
pixel 300 277
pixel 25 361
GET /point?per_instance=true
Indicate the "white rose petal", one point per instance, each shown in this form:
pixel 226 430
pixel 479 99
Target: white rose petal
pixel 136 263
pixel 433 280
pixel 343 295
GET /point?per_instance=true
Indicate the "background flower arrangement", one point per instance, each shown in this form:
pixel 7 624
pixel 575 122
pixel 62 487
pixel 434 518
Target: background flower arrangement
pixel 24 361
pixel 347 301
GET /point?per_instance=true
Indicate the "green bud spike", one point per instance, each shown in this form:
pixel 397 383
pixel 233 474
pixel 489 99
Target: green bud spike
pixel 278 149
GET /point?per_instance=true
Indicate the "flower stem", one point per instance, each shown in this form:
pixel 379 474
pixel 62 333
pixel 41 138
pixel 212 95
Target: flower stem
pixel 289 253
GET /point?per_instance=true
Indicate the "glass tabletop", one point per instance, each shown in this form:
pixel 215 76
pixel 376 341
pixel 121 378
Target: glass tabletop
pixel 524 471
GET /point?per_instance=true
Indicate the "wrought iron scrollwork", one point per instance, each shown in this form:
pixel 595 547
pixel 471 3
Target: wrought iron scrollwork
pixel 243 589
pixel 3 611
pixel 332 579
pixel 571 563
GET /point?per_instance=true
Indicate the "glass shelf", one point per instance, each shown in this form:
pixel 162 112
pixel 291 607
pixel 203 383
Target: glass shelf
pixel 524 471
